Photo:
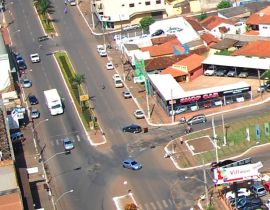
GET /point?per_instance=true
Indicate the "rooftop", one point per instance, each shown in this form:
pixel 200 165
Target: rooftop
pixel 260 48
pixel 191 62
pixel 209 38
pixel 261 17
pixel 8 181
pixel 163 39
pixel 213 21
pixel 238 61
pixel 194 23
pixel 11 202
pixel 224 44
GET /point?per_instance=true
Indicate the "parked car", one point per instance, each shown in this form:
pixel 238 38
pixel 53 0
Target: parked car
pixel 258 190
pixel 267 203
pixel 131 164
pixel 109 66
pixel 132 128
pixel 34 58
pixel 220 164
pixel 32 99
pixel 103 53
pixel 26 83
pixel 267 186
pixel 248 201
pixel 263 88
pixel 35 113
pixel 221 72
pixel 21 65
pixel 126 94
pixel 116 76
pixel 131 27
pixel 158 33
pixel 201 118
pixel 240 192
pixel 139 114
pixel 210 71
pixel 68 144
pixel 17 136
pixel 232 74
pixel 243 75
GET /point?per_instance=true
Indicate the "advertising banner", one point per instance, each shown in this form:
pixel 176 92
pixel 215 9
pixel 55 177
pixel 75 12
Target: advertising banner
pixel 237 173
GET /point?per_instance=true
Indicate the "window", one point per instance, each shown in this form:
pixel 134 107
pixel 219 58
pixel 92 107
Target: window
pixel 158 1
pixel 131 5
pixel 147 3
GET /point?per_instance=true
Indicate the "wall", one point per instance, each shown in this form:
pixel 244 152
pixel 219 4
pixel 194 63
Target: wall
pixel 4 72
pixel 264 30
pixel 196 73
pixel 215 31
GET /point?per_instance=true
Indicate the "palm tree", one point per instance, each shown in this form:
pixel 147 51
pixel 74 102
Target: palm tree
pixel 43 6
pixel 78 79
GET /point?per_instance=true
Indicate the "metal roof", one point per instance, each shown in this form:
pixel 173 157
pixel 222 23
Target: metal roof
pixel 238 61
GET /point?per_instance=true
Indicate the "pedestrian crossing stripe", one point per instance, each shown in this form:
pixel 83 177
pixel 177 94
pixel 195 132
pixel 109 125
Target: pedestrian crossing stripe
pixel 60 141
pixel 158 205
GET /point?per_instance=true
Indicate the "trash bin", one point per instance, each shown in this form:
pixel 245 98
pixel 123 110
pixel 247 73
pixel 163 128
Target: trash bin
pixel 145 130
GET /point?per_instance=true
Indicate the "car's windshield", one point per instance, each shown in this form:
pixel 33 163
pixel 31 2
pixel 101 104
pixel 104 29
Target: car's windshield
pixel 56 106
pixel 133 163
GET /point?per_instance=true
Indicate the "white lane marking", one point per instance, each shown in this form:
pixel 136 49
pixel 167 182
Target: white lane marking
pixel 165 203
pixel 159 205
pixel 57 142
pixel 147 206
pixel 171 203
pixel 78 138
pixel 153 205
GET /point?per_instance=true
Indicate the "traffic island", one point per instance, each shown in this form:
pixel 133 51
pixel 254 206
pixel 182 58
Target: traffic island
pixel 125 202
pixel 80 98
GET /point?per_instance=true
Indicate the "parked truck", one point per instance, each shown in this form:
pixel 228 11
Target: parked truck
pixel 53 101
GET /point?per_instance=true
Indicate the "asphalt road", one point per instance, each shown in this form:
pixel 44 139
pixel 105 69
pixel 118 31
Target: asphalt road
pixel 96 174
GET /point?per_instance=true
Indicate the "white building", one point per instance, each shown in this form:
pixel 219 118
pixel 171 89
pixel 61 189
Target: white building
pixel 4 67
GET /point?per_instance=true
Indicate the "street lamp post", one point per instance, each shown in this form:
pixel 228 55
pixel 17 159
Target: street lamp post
pixel 204 182
pixel 34 131
pixel 61 196
pixel 58 153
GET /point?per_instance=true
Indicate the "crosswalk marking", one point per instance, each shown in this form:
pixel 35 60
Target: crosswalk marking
pixel 146 206
pixel 165 203
pixel 159 205
pixel 153 205
pixel 57 142
pixel 171 203
pixel 78 138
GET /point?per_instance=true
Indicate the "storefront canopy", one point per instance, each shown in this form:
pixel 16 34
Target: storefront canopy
pixel 238 61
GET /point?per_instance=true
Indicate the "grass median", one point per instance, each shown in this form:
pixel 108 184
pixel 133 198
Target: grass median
pixel 236 142
pixel 75 90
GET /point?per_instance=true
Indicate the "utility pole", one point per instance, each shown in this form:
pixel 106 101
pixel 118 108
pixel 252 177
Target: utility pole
pixel 92 15
pixel 205 185
pixel 215 138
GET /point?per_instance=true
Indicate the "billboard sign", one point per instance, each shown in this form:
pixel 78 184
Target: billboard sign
pixel 237 173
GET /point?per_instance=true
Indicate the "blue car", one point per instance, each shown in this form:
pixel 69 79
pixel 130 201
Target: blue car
pixel 131 164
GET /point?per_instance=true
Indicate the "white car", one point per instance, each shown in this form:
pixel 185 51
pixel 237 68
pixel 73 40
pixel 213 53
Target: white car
pixel 116 76
pixel 102 53
pixel 209 72
pixel 72 2
pixel 240 192
pixel 267 204
pixel 139 114
pixel 100 48
pixel 34 58
pixel 35 113
pixel 26 83
pixel 109 66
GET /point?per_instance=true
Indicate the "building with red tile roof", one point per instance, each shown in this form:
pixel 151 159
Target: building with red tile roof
pixel 260 48
pixel 215 23
pixel 209 39
pixel 195 24
pixel 260 21
pixel 162 39
pixel 187 69
pixel 167 48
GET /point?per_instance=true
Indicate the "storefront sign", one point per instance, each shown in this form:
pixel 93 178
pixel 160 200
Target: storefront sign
pixel 240 90
pixel 237 173
pixel 197 98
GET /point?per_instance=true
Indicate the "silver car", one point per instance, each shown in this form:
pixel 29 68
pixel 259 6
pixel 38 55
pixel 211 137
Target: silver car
pixel 68 144
pixel 35 113
pixel 26 83
pixel 197 119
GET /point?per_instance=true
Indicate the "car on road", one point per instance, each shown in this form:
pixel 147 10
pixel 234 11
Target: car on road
pixel 131 164
pixel 133 128
pixel 32 99
pixel 139 114
pixel 221 72
pixel 243 75
pixel 196 119
pixel 240 192
pixel 126 94
pixel 158 32
pixel 21 65
pixel 26 83
pixel 231 74
pixel 72 2
pixel 116 76
pixel 35 113
pixel 131 27
pixel 34 58
pixel 109 66
pixel 68 144
pixel 43 38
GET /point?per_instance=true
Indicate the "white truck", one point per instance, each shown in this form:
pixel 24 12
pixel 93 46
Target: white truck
pixel 53 101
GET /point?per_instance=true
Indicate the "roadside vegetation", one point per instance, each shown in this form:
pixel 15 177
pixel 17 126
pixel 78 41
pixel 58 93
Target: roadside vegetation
pixel 146 22
pixel 44 8
pixel 237 142
pixel 224 4
pixel 224 52
pixel 74 82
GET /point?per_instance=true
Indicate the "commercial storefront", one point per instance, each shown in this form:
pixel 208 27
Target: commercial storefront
pixel 171 96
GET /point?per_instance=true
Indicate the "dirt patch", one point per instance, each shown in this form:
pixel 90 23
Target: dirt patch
pixel 202 144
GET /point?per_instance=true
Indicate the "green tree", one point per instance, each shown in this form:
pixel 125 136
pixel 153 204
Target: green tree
pixel 202 16
pixel 146 22
pixel 43 6
pixel 224 4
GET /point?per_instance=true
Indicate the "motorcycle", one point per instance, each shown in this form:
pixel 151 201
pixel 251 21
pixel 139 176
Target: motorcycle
pixel 188 130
